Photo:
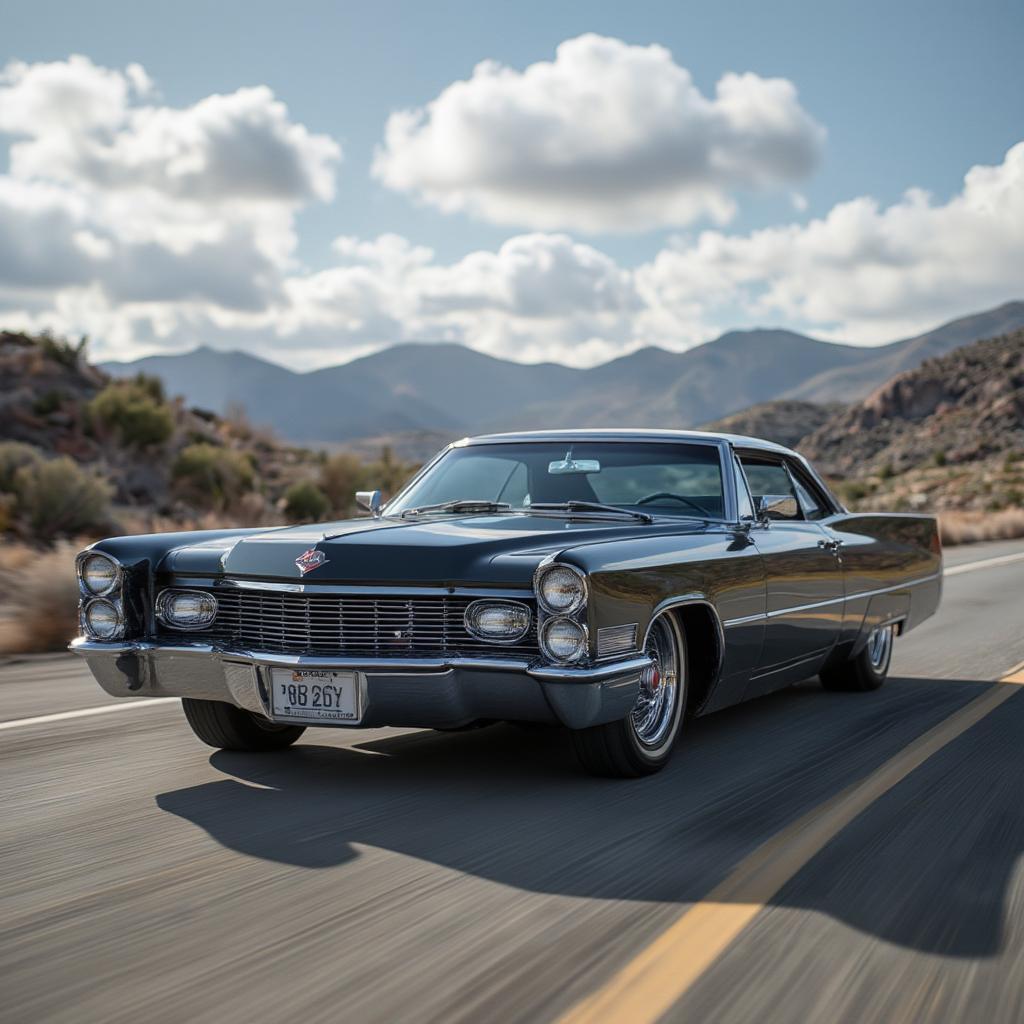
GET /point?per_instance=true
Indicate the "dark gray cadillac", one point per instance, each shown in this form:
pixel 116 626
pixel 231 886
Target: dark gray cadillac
pixel 608 581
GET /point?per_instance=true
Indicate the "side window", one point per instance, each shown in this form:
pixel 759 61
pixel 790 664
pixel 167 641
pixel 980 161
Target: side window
pixel 812 504
pixel 767 476
pixel 744 502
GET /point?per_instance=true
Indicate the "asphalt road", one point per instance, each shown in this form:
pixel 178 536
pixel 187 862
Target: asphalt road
pixel 414 876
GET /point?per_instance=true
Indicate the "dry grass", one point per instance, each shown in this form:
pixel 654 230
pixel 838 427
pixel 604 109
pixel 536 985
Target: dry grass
pixel 40 607
pixel 972 527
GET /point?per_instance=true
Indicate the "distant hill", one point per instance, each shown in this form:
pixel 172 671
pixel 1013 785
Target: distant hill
pixel 451 390
pixel 961 407
pixel 848 383
pixel 783 421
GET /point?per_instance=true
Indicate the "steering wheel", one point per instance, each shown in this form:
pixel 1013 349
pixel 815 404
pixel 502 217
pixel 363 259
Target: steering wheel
pixel 671 495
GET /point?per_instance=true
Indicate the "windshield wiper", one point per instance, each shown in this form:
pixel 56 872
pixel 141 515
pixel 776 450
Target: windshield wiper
pixel 459 505
pixel 590 506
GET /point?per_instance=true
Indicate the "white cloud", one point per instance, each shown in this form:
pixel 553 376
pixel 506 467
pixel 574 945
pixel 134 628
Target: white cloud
pixel 607 137
pixel 863 272
pixel 133 235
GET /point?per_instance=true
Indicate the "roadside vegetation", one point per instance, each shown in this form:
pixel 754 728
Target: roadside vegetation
pixel 84 456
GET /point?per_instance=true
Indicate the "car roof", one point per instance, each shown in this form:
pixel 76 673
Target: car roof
pixel 624 434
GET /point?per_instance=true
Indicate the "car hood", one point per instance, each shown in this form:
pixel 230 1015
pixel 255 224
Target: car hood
pixel 489 550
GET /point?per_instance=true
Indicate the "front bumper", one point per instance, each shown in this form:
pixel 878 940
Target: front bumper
pixel 417 692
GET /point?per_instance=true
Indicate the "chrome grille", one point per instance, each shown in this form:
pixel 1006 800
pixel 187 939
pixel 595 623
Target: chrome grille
pixel 388 627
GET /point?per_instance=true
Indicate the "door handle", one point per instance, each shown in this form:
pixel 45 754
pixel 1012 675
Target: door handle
pixel 830 545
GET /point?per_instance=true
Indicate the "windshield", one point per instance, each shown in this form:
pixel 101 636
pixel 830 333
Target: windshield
pixel 682 479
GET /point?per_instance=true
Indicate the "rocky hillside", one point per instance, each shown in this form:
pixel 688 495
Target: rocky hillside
pixel 785 422
pixel 82 453
pixel 947 435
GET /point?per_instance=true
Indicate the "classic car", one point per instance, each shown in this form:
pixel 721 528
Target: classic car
pixel 609 581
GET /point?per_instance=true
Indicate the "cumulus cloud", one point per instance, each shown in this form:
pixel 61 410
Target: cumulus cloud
pixel 106 176
pixel 118 219
pixel 863 272
pixel 606 137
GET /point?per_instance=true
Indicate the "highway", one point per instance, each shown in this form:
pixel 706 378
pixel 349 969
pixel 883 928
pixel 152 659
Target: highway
pixel 806 857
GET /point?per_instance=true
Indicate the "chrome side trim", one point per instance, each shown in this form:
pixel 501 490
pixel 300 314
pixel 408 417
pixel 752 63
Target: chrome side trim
pixel 833 600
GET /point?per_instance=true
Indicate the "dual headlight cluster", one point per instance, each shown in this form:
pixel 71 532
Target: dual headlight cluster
pixel 562 598
pixel 101 604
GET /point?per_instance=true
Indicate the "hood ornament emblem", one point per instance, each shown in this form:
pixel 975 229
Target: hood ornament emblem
pixel 310 560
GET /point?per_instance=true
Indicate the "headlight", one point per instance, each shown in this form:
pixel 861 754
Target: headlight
pixel 99 574
pixel 561 589
pixel 500 622
pixel 563 639
pixel 102 619
pixel 186 609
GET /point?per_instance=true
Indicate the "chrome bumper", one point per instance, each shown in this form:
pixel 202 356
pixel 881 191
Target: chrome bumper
pixel 417 692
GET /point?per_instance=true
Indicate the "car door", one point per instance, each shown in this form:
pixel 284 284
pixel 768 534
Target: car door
pixel 803 577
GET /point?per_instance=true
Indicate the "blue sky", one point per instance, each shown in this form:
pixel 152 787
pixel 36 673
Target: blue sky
pixel 909 95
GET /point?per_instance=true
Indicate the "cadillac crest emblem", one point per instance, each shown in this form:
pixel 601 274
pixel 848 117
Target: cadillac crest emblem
pixel 310 560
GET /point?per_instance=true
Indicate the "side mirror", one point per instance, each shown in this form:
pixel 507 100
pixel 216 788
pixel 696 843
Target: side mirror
pixel 777 506
pixel 370 501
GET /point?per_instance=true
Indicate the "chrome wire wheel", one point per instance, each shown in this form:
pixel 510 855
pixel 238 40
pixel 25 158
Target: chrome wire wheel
pixel 662 687
pixel 880 647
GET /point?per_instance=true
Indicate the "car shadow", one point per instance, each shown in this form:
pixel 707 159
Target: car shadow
pixel 511 805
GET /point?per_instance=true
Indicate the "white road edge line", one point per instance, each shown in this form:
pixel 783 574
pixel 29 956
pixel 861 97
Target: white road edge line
pixel 985 563
pixel 62 716
pixel 104 709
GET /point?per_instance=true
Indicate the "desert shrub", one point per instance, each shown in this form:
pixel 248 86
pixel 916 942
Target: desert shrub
pixel 388 473
pixel 341 476
pixel 48 401
pixel 45 615
pixel 56 498
pixel 135 411
pixel 13 456
pixel 855 491
pixel 304 502
pixel 62 351
pixel 210 477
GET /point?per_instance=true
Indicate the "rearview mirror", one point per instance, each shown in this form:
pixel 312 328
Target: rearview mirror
pixel 369 501
pixel 563 466
pixel 777 506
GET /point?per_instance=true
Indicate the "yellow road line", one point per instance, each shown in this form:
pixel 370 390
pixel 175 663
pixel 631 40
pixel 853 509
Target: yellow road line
pixel 659 975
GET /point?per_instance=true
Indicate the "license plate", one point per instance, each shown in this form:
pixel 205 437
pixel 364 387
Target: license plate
pixel 317 696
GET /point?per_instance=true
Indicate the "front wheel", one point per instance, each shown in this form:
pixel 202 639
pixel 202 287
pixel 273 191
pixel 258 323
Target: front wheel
pixel 868 670
pixel 222 725
pixel 641 744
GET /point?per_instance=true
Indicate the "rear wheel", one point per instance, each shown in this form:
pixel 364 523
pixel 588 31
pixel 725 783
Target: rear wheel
pixel 641 744
pixel 868 670
pixel 223 725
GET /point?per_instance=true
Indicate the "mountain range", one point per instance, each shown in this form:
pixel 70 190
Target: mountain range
pixel 451 390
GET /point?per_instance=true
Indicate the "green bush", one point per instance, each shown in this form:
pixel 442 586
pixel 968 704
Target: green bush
pixel 210 477
pixel 135 411
pixel 57 498
pixel 62 351
pixel 341 476
pixel 13 456
pixel 304 502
